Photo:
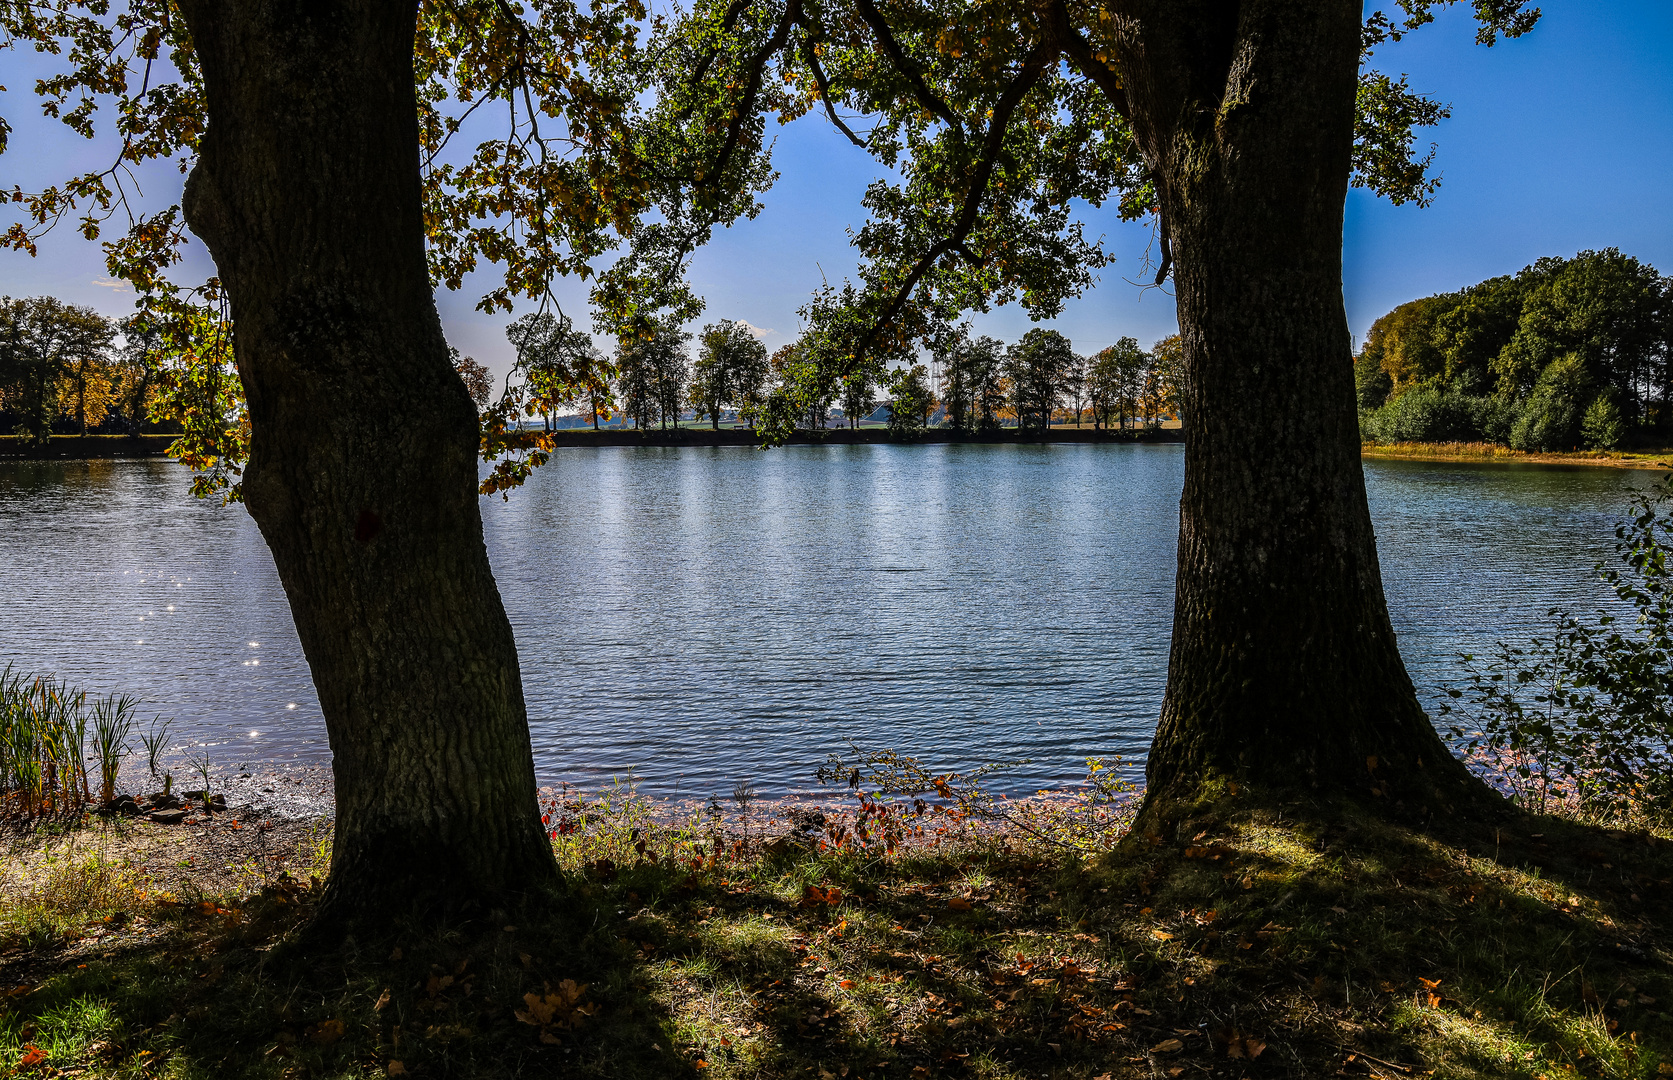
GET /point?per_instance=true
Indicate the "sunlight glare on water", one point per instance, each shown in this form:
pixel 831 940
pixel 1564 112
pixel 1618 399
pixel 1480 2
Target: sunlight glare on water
pixel 710 615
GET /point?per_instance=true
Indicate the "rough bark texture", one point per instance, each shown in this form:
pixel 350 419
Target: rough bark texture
pixel 362 473
pixel 1284 669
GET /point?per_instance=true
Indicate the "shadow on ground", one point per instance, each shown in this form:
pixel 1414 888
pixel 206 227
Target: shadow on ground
pixel 1255 943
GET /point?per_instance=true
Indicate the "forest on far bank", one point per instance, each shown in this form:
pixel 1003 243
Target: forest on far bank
pixel 1566 354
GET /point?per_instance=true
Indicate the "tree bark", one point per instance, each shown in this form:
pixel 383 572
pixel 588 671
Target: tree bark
pixel 362 472
pixel 1284 670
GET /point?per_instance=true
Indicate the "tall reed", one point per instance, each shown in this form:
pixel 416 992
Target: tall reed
pixel 113 722
pixel 44 729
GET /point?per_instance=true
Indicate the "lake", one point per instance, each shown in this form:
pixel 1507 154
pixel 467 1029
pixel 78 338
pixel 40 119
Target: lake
pixel 704 615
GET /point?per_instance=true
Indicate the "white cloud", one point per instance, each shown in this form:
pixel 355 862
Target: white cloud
pixel 755 331
pixel 114 286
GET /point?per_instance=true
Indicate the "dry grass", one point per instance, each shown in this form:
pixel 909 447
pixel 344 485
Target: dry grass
pixel 1479 451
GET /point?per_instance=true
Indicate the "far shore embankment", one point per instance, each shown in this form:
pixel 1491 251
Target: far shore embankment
pixel 1494 454
pixel 129 446
pixel 91 447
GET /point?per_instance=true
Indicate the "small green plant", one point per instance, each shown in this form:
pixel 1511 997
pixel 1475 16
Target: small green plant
pixel 156 742
pixel 43 742
pixel 1583 719
pixel 895 792
pixel 201 765
pixel 113 722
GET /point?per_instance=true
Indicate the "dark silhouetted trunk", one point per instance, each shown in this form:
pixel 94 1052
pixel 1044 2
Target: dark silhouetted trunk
pixel 1284 668
pixel 362 473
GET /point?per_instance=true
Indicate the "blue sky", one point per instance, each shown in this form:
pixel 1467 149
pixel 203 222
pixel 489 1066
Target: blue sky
pixel 1559 142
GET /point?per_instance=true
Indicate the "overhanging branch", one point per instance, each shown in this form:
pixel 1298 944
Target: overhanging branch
pixel 1033 69
pixel 928 98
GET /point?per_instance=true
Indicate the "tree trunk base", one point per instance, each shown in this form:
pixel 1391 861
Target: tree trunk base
pixel 1448 793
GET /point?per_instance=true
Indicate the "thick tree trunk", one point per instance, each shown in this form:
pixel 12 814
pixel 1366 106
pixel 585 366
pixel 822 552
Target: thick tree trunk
pixel 1284 669
pixel 362 473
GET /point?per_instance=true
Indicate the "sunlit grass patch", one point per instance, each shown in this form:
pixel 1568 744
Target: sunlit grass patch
pixel 64 888
pixel 79 1032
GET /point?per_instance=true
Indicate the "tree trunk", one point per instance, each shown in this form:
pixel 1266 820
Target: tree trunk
pixel 1284 669
pixel 362 472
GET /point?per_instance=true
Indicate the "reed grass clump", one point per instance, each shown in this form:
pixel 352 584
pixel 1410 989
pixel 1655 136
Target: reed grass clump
pixel 45 726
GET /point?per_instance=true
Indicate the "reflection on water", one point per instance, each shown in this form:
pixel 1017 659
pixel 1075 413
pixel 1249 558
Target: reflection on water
pixel 714 614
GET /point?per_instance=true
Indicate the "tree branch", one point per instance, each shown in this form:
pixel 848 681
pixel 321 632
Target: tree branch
pixel 920 89
pixel 1033 69
pixel 824 86
pixel 1080 52
pixel 757 66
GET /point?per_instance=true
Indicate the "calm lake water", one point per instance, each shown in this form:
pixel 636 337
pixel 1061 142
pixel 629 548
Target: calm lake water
pixel 708 615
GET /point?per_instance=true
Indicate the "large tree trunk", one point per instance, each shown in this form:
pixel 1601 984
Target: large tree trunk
pixel 1284 669
pixel 362 473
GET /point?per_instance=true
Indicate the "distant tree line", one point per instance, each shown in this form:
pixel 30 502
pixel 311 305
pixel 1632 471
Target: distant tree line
pixel 69 370
pixel 981 384
pixel 1568 353
pixel 1041 380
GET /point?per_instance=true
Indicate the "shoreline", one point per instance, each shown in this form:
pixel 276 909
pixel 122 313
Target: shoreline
pixel 117 447
pixel 1494 454
pixel 98 447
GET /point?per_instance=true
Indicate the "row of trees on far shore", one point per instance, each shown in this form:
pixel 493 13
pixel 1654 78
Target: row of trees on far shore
pixel 1567 353
pixel 970 383
pixel 70 370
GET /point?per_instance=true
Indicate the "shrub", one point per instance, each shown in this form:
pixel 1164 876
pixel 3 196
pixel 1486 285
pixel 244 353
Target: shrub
pixel 1422 414
pixel 1494 417
pixel 1584 717
pixel 1603 427
pixel 1551 418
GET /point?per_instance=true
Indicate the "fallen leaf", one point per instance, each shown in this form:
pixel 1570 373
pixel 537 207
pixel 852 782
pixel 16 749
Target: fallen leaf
pixel 397 1068
pixel 396 955
pixel 326 1032
pixel 382 1003
pixel 1167 1046
pixel 32 1056
pixel 959 903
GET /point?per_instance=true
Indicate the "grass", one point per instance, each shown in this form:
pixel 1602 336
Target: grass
pixel 1261 941
pixel 1480 451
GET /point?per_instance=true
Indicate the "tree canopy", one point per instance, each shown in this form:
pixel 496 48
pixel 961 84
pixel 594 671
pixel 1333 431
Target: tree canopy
pixel 1554 339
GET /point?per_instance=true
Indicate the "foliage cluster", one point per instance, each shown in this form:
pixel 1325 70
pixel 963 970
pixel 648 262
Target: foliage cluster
pixel 60 372
pixel 1582 718
pixel 1566 353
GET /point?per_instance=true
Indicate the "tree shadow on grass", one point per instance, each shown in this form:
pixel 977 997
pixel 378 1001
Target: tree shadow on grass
pixel 1534 948
pixel 1253 943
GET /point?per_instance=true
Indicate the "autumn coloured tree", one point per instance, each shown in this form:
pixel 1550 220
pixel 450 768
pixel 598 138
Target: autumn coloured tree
pixel 479 383
pixel 54 358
